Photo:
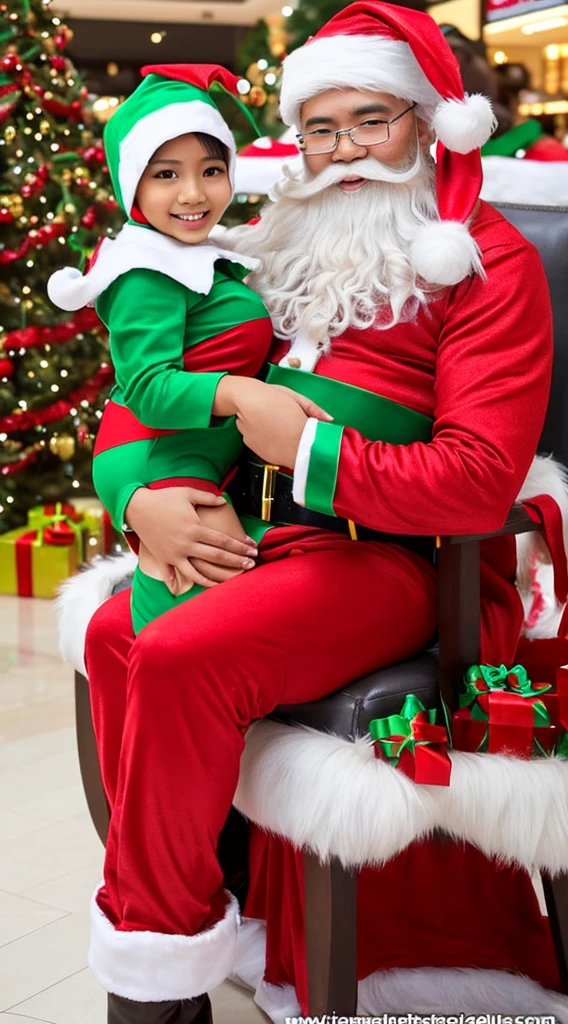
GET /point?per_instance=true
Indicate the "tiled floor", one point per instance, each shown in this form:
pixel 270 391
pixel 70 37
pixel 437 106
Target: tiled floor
pixel 50 856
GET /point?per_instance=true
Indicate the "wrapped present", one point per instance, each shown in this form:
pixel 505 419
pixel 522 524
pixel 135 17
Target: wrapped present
pixel 35 559
pixel 413 743
pixel 503 712
pixel 100 535
pixel 556 701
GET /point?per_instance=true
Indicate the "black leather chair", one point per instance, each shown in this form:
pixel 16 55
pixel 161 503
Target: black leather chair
pixel 331 889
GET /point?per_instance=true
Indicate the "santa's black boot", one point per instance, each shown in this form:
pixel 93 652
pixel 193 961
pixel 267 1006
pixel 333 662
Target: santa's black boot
pixel 185 1011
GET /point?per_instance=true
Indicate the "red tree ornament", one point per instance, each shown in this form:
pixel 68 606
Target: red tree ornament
pixel 6 368
pixel 11 64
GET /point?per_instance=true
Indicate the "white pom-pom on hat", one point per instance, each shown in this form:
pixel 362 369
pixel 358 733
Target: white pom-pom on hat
pixel 444 253
pixel 464 125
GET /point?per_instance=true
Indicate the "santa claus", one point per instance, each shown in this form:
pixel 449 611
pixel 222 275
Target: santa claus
pixel 402 296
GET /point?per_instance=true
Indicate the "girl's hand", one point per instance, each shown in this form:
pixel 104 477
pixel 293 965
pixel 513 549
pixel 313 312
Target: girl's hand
pixel 238 395
pixel 168 525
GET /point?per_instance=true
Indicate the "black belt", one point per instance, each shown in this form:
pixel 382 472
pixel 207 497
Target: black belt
pixel 256 489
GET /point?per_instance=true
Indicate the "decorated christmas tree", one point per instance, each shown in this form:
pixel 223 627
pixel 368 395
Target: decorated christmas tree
pixel 55 203
pixel 259 62
pixel 309 16
pixel 265 47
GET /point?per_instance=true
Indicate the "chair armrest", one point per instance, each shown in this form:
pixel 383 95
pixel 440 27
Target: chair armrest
pixel 518 521
pixel 460 599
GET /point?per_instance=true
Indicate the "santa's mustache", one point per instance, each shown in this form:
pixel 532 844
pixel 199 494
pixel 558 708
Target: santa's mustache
pixel 302 185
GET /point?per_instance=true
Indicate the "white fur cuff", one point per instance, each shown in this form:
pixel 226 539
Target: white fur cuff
pixel 152 967
pixel 303 462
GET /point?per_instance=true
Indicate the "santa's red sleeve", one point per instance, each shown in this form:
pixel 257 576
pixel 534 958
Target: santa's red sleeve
pixel 493 372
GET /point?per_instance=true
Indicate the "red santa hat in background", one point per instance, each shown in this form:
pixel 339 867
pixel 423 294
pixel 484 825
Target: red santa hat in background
pixel 259 164
pixel 384 48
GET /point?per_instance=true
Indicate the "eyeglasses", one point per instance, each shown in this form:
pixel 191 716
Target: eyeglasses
pixel 370 133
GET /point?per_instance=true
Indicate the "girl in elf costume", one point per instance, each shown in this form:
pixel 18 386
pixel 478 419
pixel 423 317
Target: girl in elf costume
pixel 179 315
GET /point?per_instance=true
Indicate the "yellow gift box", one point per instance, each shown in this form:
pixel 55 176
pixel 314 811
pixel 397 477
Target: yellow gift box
pixel 100 536
pixel 35 559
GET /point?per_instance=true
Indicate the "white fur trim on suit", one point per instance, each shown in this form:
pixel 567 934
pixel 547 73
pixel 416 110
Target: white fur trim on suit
pixel 464 125
pixel 306 350
pixel 152 131
pixel 80 596
pixel 140 248
pixel 153 967
pixel 366 812
pixel 545 476
pixel 302 463
pixel 424 990
pixel 354 62
pixel 444 253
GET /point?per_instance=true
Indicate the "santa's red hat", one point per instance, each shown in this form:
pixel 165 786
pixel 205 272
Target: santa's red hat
pixel 381 47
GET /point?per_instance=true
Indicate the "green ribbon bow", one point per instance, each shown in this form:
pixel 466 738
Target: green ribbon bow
pixel 414 730
pixel 482 680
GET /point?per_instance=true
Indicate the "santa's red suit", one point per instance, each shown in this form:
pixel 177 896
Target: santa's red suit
pixel 172 707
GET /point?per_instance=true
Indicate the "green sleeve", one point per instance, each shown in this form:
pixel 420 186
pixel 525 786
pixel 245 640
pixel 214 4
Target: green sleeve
pixel 146 314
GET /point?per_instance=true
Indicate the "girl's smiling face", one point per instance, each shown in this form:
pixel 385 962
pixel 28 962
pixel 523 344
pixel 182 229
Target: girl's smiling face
pixel 185 188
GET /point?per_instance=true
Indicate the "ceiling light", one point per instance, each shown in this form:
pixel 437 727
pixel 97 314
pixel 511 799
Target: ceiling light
pixel 543 26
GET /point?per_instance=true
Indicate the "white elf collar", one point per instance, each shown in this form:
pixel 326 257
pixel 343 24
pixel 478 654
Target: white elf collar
pixel 140 248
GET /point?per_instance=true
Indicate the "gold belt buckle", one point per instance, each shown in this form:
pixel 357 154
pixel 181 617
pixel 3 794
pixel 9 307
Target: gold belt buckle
pixel 268 488
pixel 352 529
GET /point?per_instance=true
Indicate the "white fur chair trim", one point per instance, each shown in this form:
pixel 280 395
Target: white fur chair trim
pixel 366 812
pixel 80 596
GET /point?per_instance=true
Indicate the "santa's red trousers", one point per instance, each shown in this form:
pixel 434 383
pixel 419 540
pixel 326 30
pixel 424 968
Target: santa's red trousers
pixel 171 709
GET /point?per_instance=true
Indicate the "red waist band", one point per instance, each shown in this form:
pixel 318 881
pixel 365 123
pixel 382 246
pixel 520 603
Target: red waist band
pixel 120 426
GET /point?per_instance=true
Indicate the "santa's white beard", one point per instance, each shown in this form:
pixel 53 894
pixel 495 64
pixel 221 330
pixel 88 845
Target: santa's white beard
pixel 332 259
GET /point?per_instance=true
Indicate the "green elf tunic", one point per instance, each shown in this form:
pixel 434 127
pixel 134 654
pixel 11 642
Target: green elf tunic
pixel 174 332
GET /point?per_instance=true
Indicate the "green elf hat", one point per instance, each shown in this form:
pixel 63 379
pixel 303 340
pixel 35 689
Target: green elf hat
pixel 172 100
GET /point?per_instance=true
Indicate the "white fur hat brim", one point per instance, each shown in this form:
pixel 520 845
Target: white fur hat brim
pixel 381 65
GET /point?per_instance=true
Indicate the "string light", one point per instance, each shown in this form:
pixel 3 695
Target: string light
pixel 55 387
pixel 75 484
pixel 44 364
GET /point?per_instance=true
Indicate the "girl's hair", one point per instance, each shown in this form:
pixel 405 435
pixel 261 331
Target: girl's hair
pixel 213 147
